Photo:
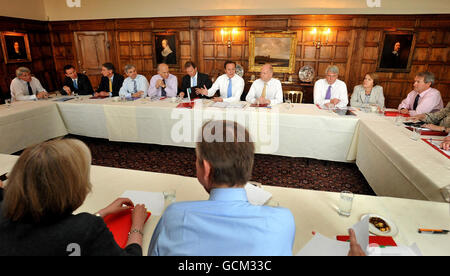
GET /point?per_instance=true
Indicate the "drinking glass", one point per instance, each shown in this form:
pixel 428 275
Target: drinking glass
pixel 398 120
pixel 170 197
pixel 416 132
pixel 345 203
pixel 8 103
pixel 331 107
pixel 289 104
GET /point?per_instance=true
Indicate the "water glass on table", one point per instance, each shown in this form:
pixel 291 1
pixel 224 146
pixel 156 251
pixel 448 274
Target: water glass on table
pixel 398 120
pixel 8 103
pixel 345 203
pixel 416 132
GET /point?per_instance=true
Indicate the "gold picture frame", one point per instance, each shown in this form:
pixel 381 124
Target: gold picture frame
pixel 16 47
pixel 277 49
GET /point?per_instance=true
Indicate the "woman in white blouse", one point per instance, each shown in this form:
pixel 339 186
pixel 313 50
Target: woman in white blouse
pixel 368 93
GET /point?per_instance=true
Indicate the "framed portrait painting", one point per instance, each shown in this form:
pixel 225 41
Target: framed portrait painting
pixel 397 51
pixel 15 47
pixel 166 49
pixel 278 49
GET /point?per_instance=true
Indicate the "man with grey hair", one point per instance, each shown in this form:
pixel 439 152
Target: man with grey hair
pixel 135 86
pixel 26 87
pixel 163 84
pixel 424 98
pixel 330 91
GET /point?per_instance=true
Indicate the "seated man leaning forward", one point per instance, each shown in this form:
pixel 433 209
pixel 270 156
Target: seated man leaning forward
pixel 25 87
pixel 423 98
pixel 265 90
pixel 135 85
pixel 330 90
pixel 226 224
pixel 163 84
pixel 230 85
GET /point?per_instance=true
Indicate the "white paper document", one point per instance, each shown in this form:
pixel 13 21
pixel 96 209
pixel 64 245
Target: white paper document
pixel 322 246
pixel 256 195
pixel 154 202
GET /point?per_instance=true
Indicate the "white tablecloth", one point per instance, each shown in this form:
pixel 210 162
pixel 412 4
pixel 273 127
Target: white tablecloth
pixel 303 131
pixel 28 123
pixel 395 165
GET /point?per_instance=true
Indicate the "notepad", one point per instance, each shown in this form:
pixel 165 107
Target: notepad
pixel 120 224
pixel 256 195
pixel 154 202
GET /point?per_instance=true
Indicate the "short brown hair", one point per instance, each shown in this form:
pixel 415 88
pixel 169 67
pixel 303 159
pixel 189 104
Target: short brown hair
pixel 227 146
pixel 190 64
pixel 50 180
pixel 375 77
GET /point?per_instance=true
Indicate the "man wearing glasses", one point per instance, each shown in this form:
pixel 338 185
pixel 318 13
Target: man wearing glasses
pixel 331 92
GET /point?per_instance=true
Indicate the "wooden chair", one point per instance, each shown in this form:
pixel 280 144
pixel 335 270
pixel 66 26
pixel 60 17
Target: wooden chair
pixel 294 96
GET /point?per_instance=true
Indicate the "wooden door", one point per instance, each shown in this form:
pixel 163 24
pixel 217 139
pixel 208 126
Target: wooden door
pixel 92 52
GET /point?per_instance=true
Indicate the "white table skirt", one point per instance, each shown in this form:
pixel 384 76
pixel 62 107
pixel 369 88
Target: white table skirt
pixel 28 123
pixel 304 131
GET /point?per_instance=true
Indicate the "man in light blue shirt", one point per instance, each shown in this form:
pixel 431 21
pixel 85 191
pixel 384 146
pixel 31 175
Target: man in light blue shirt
pixel 135 85
pixel 226 224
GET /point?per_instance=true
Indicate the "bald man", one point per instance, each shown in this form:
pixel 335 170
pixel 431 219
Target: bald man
pixel 163 84
pixel 266 89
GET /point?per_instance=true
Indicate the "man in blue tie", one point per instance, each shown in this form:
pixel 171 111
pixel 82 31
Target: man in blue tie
pixel 229 84
pixel 76 82
pixel 331 91
pixel 226 224
pixel 193 80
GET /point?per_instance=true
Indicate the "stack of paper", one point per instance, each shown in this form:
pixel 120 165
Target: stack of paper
pixel 322 246
pixel 154 202
pixel 256 195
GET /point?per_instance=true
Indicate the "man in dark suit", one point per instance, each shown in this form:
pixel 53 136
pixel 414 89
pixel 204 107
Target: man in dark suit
pixel 110 83
pixel 76 82
pixel 193 80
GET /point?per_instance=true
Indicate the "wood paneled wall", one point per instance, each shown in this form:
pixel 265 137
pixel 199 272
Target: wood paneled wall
pixel 42 65
pixel 354 45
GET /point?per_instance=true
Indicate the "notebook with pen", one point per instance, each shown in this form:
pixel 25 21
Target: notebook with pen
pixel 119 225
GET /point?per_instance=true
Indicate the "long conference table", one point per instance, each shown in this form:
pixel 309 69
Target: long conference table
pixel 392 163
pixel 313 210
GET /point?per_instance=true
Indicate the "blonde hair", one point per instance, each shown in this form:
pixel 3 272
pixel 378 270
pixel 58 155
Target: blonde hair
pixel 50 180
pixel 374 76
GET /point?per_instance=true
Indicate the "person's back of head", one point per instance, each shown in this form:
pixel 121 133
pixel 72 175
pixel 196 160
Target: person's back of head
pixel 48 182
pixel 227 147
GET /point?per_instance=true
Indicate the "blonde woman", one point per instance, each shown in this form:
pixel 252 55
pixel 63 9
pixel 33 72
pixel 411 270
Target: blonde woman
pixel 48 183
pixel 368 93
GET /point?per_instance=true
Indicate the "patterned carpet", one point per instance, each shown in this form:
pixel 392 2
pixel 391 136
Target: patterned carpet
pixel 269 169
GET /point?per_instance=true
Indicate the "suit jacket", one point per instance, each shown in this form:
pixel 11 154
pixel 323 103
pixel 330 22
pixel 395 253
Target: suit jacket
pixel 53 237
pixel 358 96
pixel 84 85
pixel 202 79
pixel 116 84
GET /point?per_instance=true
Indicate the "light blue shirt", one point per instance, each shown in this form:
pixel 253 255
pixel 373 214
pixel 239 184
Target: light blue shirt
pixel 225 225
pixel 128 87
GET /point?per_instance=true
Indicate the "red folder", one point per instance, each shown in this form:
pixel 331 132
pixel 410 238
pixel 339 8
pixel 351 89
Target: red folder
pixel 380 240
pixel 258 105
pixel 394 114
pixel 120 224
pixel 430 132
pixel 186 105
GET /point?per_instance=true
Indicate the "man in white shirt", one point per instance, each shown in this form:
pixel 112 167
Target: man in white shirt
pixel 163 84
pixel 135 85
pixel 331 91
pixel 25 87
pixel 265 90
pixel 230 85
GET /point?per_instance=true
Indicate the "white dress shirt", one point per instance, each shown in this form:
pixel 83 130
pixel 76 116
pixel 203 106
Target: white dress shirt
pixel 338 91
pixel 194 78
pixel 171 86
pixel 127 88
pixel 237 87
pixel 274 92
pixel 19 89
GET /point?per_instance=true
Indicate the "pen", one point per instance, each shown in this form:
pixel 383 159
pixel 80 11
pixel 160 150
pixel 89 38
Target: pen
pixel 433 231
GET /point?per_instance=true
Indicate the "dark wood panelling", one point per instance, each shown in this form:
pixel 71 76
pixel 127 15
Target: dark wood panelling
pixel 42 65
pixel 353 46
